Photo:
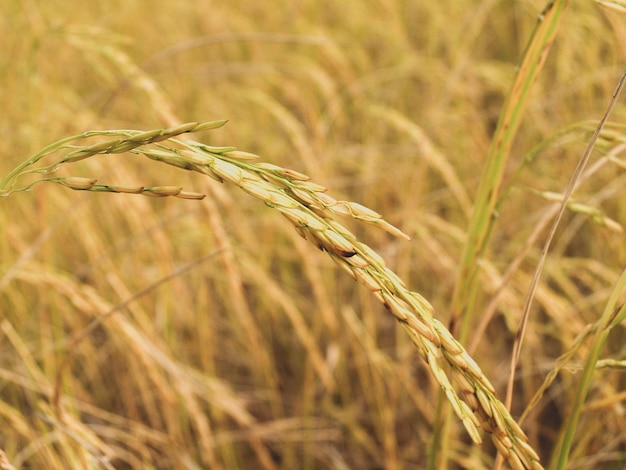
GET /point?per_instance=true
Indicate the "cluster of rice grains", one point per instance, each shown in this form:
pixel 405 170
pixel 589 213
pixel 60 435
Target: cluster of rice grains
pixel 307 206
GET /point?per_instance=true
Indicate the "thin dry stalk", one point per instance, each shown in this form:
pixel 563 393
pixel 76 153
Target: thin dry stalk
pixel 544 253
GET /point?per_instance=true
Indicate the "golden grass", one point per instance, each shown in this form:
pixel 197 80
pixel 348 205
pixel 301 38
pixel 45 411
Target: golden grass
pixel 168 333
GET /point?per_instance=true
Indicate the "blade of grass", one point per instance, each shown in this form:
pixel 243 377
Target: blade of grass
pixel 482 218
pixel 612 316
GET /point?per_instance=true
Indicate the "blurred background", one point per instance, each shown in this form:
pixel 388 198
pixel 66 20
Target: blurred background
pixel 227 341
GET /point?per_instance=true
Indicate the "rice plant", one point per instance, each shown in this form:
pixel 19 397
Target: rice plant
pixel 196 329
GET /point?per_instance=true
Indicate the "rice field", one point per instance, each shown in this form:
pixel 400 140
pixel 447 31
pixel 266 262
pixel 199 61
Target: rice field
pixel 361 217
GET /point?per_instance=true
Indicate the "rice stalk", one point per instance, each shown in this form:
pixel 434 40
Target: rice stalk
pixel 488 194
pixel 313 213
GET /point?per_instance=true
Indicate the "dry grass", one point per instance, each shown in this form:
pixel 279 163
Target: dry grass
pixel 168 333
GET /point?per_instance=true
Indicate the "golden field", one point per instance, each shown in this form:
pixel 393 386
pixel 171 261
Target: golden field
pixel 177 333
